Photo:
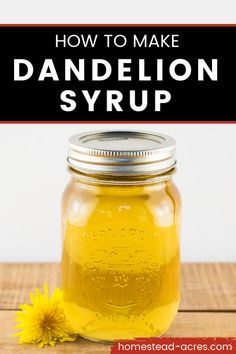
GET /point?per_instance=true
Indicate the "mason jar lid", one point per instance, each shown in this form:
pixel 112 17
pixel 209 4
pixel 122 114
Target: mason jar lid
pixel 121 153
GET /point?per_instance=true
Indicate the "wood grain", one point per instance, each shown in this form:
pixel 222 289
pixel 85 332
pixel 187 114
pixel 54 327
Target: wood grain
pixel 208 286
pixel 185 325
pixel 208 304
pixel 204 286
pixel 17 280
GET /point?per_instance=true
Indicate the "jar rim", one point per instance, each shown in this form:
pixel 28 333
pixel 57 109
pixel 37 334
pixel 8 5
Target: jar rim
pixel 116 180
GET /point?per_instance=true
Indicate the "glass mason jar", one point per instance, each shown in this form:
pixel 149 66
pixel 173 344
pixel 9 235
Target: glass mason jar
pixel 121 220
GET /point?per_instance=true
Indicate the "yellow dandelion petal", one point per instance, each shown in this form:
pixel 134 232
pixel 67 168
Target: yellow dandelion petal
pixel 44 322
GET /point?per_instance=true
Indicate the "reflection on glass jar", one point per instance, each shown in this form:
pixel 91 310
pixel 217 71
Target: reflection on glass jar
pixel 120 264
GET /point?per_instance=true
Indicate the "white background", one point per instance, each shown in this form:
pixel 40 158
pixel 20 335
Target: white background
pixel 33 176
pixel 122 11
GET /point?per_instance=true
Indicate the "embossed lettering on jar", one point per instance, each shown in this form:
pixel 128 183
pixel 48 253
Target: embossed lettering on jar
pixel 121 221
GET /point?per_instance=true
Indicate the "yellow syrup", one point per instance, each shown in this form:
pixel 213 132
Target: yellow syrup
pixel 120 264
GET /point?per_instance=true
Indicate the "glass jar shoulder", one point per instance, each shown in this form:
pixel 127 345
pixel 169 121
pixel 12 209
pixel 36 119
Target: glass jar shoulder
pixel 78 202
pixel 156 203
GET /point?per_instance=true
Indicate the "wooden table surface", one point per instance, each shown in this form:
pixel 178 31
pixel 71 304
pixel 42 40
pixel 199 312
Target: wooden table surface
pixel 207 309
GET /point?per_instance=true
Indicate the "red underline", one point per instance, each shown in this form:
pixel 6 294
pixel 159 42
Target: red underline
pixel 117 122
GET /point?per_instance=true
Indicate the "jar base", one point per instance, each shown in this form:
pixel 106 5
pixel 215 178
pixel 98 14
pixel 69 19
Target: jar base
pixel 104 341
pixel 101 341
pixel 112 329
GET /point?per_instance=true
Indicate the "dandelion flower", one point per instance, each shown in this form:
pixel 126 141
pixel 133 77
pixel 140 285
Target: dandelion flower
pixel 44 321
